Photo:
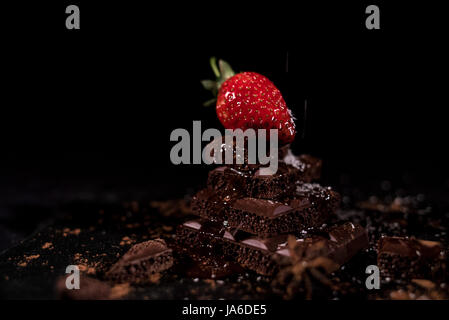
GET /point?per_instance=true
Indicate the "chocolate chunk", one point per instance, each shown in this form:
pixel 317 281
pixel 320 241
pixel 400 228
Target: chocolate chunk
pixel 261 207
pixel 308 165
pixel 210 267
pixel 231 183
pixel 267 218
pixel 141 261
pixel 270 244
pixel 338 242
pixel 234 182
pixel 311 207
pixel 211 205
pixel 239 153
pixel 406 258
pixel 90 289
pixel 321 197
pixel 259 254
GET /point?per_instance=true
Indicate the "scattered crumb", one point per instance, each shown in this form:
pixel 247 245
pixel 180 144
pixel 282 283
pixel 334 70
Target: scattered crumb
pixel 211 282
pixel 175 207
pixel 426 284
pixel 132 225
pixel 29 258
pixel 120 290
pixel 399 204
pixel 91 270
pixel 260 290
pixel 47 245
pixel 154 278
pixel 420 289
pixel 84 265
pixel 67 231
pixel 126 240
pixel 402 295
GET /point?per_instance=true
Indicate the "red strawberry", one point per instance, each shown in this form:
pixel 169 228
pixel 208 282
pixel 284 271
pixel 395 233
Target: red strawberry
pixel 250 100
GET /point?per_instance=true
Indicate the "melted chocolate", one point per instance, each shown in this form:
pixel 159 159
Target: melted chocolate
pixel 261 207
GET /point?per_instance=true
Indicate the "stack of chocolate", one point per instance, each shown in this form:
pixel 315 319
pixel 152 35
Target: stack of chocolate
pixel 246 217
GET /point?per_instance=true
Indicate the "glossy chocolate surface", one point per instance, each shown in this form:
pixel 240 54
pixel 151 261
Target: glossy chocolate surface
pixel 262 207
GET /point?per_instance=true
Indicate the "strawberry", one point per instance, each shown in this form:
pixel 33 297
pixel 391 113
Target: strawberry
pixel 249 100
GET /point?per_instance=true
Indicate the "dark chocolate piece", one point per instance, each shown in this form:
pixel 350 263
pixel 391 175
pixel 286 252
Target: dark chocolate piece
pixel 339 244
pixel 207 267
pixel 310 207
pixel 261 207
pixel 323 198
pixel 309 166
pixel 240 156
pixel 141 261
pixel 231 183
pixel 406 258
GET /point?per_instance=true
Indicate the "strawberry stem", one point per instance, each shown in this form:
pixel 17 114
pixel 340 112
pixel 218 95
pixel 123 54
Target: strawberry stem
pixel 213 64
pixel 222 71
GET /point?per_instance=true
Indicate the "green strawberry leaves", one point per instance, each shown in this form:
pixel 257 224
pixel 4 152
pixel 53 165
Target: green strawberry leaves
pixel 225 70
pixel 222 73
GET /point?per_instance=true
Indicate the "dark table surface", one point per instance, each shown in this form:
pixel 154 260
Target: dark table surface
pixel 48 225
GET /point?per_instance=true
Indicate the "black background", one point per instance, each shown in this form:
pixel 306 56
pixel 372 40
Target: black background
pixel 92 110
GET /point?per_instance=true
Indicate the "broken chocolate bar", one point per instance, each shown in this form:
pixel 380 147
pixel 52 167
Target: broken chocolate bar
pixel 239 154
pixel 141 261
pixel 206 267
pixel 232 183
pixel 406 258
pixel 322 198
pixel 308 165
pixel 310 207
pixel 338 243
pixel 235 182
